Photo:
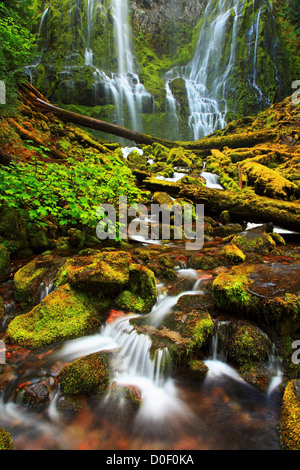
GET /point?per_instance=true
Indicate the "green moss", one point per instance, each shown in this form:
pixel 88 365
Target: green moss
pixel 88 375
pixel 6 440
pixel 233 253
pixel 106 272
pixel 268 182
pixel 254 241
pixel 230 289
pixel 248 346
pixel 290 416
pixel 204 262
pixel 141 294
pixel 63 314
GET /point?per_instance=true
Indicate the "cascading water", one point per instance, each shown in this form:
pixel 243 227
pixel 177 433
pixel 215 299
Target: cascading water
pixel 208 76
pixel 123 87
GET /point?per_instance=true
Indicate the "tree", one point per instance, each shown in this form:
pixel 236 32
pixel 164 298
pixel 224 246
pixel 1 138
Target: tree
pixel 16 51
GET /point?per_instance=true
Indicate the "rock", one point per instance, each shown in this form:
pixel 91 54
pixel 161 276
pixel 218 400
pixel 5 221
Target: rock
pixel 255 240
pixel 140 295
pixel 267 293
pixel 290 417
pixel 107 272
pixel 6 440
pixel 178 157
pixel 63 314
pixel 36 395
pixel 233 254
pixel 88 375
pixel 202 261
pixel 29 279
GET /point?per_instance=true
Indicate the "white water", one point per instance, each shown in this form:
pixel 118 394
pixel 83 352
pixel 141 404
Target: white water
pixel 121 87
pixel 212 180
pixel 207 76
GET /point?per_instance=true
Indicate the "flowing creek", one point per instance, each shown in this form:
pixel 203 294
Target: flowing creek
pixel 176 413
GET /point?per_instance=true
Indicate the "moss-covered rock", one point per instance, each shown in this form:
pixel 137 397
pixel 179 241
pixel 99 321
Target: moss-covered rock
pixel 290 416
pixel 202 261
pixel 106 272
pixel 64 314
pixel 248 345
pixel 269 294
pixel 28 280
pixel 233 254
pixel 254 241
pixel 140 295
pixel 178 157
pixel 6 440
pixel 86 376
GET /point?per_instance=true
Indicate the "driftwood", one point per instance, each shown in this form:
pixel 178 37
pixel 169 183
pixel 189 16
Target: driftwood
pixel 35 99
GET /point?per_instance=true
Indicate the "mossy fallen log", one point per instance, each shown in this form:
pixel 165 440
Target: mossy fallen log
pixel 246 139
pixel 248 207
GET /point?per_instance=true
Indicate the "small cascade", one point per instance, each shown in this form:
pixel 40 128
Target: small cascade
pixel 212 180
pixel 45 290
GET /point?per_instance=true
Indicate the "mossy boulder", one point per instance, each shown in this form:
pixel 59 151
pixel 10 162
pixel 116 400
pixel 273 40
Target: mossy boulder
pixel 106 272
pixel 255 240
pixel 86 376
pixel 140 295
pixel 248 346
pixel 268 294
pixel 6 440
pixel 233 254
pixel 64 314
pixel 178 158
pixel 290 416
pixel 137 160
pixel 29 279
pixel 4 261
pixel 202 261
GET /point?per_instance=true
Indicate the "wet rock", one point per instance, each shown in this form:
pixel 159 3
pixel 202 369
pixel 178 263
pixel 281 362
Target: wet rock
pixel 29 279
pixel 267 293
pixel 290 418
pixel 233 254
pixel 88 376
pixel 256 240
pixel 63 314
pixel 36 395
pixel 6 440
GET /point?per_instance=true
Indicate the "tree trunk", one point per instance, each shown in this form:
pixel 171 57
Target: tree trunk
pixel 256 209
pixel 211 142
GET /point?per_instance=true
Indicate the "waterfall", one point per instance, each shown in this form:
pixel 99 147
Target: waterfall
pixel 208 75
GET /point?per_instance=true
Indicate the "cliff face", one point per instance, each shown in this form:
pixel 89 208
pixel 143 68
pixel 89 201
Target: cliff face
pixel 177 69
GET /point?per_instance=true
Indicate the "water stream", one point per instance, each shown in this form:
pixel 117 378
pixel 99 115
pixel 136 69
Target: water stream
pixel 173 412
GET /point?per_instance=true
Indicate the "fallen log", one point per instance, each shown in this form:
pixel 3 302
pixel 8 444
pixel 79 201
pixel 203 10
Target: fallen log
pixel 215 141
pixel 250 208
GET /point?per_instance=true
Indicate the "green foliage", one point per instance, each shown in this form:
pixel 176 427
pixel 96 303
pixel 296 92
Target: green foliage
pixel 294 14
pixel 68 194
pixel 16 50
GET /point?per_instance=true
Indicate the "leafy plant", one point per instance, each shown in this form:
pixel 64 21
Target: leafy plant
pixel 67 194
